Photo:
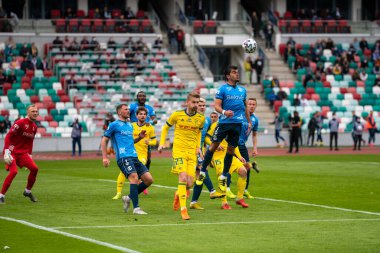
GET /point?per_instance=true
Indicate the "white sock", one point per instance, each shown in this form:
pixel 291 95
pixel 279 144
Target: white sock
pixel 228 189
pixel 213 191
pixel 202 173
pixel 2 195
pixel 222 177
pixel 27 191
pixel 193 202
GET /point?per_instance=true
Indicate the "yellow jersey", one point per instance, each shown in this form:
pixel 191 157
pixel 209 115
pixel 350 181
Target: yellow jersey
pixel 187 130
pixel 141 146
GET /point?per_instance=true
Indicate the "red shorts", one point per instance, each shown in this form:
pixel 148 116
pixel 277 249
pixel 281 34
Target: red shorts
pixel 21 160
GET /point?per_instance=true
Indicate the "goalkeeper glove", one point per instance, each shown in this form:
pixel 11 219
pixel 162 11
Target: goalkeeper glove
pixel 8 159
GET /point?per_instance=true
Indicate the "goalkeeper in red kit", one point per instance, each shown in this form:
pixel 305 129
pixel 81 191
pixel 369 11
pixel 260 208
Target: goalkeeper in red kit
pixel 18 146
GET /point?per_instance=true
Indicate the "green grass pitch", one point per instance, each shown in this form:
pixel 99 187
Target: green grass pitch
pixel 303 204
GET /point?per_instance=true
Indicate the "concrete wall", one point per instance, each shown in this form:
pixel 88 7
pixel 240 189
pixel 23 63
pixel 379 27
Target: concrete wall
pixel 92 143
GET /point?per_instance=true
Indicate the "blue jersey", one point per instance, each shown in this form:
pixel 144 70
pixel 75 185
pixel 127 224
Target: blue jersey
pixel 121 135
pixel 255 125
pixel 205 129
pixel 133 108
pixel 233 98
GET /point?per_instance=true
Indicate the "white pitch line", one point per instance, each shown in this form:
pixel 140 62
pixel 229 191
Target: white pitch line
pixel 276 200
pixel 105 244
pixel 216 223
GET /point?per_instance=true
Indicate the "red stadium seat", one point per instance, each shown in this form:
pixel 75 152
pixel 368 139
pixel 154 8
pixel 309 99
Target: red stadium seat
pixel 98 26
pixel 60 26
pixel 210 27
pixel 81 14
pixel 318 27
pixel 198 26
pixel 331 26
pixel 306 26
pixel 134 26
pixel 343 26
pixel 110 26
pixel 73 25
pixel 85 26
pixel 281 48
pixel 55 14
pixel 283 26
pixel 294 26
pixel 146 26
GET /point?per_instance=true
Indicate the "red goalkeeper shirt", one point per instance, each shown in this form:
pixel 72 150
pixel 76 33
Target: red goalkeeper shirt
pixel 19 139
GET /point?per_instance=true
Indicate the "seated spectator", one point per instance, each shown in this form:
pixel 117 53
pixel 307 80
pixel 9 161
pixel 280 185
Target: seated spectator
pixel 281 95
pixel 291 42
pixel 34 50
pixel 113 75
pixel 44 64
pixel 57 43
pixel 3 78
pixel 121 24
pixel 91 82
pixel 14 64
pixel 355 76
pixel 71 82
pixel 111 43
pixel 140 44
pixel 97 14
pixel 74 45
pixel 11 78
pixel 66 43
pixel 106 13
pixel 376 69
pixel 363 75
pixel 25 50
pixel 337 70
pixel 272 97
pixel 158 42
pixel 129 13
pixel 275 82
pixel 356 44
pixel 69 13
pixel 26 64
pixel 364 63
pixel 296 101
pixel 376 55
pixel 363 44
pixel 304 101
pixel 129 43
pixel 140 14
pixel 84 43
pixel 377 81
pixel 93 43
pixel 329 44
pixel 337 13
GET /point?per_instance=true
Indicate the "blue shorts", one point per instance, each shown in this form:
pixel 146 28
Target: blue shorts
pixel 228 131
pixel 129 165
pixel 244 152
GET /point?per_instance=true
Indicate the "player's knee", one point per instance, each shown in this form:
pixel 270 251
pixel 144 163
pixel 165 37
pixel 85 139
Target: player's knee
pixel 214 146
pixel 33 169
pixel 242 172
pixel 148 180
pixel 133 178
pixel 190 184
pixel 230 150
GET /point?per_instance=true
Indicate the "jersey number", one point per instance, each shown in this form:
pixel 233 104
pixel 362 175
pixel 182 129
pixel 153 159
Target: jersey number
pixel 178 161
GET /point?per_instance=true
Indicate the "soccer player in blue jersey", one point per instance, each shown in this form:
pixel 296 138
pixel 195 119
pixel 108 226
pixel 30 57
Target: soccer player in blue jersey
pixel 150 117
pixel 198 188
pixel 230 102
pixel 121 134
pixel 251 105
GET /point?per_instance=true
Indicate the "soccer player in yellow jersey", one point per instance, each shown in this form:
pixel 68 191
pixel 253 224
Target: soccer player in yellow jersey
pixel 188 126
pixel 141 146
pixel 238 166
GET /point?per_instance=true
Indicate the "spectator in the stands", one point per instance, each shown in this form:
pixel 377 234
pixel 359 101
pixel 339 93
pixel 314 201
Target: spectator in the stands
pixel 113 75
pixel 69 13
pixel 71 82
pixel 255 24
pixel 376 55
pixel 158 43
pixel 258 66
pixel 57 43
pixel 93 43
pixel 11 78
pixel 44 64
pixel 302 15
pixel 172 37
pixel 91 82
pixel 84 43
pixel 3 78
pixel 363 75
pixel 15 64
pixel 363 44
pixel 281 95
pixel 296 100
pixel 275 82
pixel 111 43
pixel 355 75
pixel 121 24
pixel 180 39
pixel 34 50
pixel 25 50
pixel 337 13
pixel 129 14
pixel 26 64
pixel 66 43
pixel 74 45
pixel 304 101
pixel 377 81
pixel 356 44
pixel 291 42
pixel 337 69
pixel 140 44
pixel 268 31
pixel 129 43
pixel 248 69
pixel 289 51
pixel 97 13
pixel 329 44
pixel 106 13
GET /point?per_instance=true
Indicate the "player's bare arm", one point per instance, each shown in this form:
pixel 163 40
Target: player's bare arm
pixel 254 141
pixel 106 161
pixel 141 136
pixel 219 109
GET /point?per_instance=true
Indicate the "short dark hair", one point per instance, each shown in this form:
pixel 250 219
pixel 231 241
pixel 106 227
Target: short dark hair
pixel 214 113
pixel 193 94
pixel 141 108
pixel 140 92
pixel 227 71
pixel 118 107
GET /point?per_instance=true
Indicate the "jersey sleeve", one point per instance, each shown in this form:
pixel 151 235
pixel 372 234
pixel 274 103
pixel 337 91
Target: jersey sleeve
pixel 152 112
pixel 152 136
pixel 219 93
pixel 172 119
pixel 255 127
pixel 15 130
pixel 110 130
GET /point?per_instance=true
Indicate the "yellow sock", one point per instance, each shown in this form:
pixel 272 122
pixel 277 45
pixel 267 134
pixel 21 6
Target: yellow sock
pixel 224 200
pixel 241 182
pixel 182 194
pixel 120 182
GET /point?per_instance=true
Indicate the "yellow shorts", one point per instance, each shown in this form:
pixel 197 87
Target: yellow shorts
pixel 184 162
pixel 143 158
pixel 218 163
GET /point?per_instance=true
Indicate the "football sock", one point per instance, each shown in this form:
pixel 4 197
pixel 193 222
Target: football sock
pixel 8 181
pixel 27 191
pixel 248 174
pixel 31 178
pixel 227 163
pixel 141 187
pixel 228 180
pixel 207 160
pixel 134 195
pixel 196 192
pixel 120 182
pixel 208 183
pixel 241 182
pixel 182 194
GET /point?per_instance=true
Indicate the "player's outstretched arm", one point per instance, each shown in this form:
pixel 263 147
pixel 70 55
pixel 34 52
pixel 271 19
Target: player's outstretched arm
pixel 164 133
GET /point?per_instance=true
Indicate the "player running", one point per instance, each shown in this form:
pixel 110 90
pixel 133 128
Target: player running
pixel 186 145
pixel 18 147
pixel 121 133
pixel 141 146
